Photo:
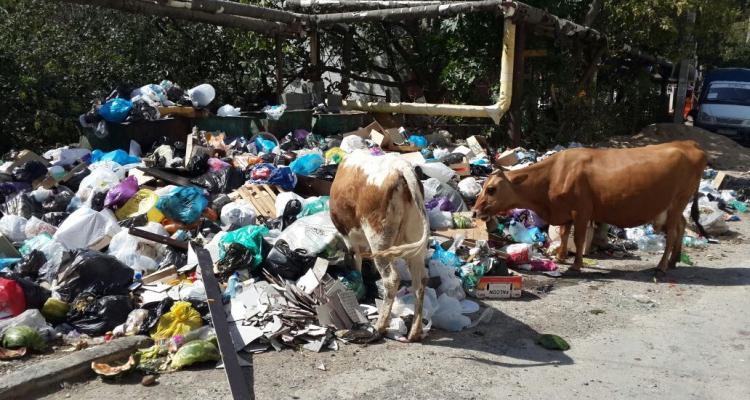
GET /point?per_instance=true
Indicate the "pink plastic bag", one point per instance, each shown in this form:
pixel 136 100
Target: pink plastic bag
pixel 216 165
pixel 122 192
pixel 12 299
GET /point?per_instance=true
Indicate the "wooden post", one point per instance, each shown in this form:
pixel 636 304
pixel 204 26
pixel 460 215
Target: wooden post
pixel 279 67
pixel 514 126
pixel 316 70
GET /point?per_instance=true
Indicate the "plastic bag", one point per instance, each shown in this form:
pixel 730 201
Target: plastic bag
pixel 21 204
pixel 449 315
pixel 13 227
pixel 419 141
pixel 29 171
pixel 440 219
pixel 58 201
pixel 267 173
pixel 469 187
pixel 195 352
pixel 250 237
pixel 34 295
pixel 314 206
pixel 30 264
pixel 306 164
pixel 55 218
pixel 274 113
pixel 352 143
pixel 316 234
pixel 335 155
pixel 129 250
pixel 86 227
pixel 202 95
pixel 288 263
pixel 238 213
pixel 433 187
pixel 440 203
pixel 96 317
pixel 215 164
pixel 93 272
pixel 263 145
pixel 181 319
pixel 353 281
pixel 450 284
pixel 12 298
pixel 439 171
pixel 143 202
pixel 283 198
pixel 222 181
pixel 53 251
pixel 100 180
pixel 115 110
pixel 36 226
pixel 448 258
pixel 32 318
pixel 183 204
pixel 118 156
pixel 227 110
pixel 121 193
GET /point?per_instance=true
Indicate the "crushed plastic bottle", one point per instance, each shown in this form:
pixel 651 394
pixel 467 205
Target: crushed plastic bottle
pixel 233 287
pixel 693 242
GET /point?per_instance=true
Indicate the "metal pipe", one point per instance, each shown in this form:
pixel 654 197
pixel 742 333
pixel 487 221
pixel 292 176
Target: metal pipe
pixel 494 112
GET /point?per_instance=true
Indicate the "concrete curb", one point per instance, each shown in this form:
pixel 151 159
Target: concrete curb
pixel 43 375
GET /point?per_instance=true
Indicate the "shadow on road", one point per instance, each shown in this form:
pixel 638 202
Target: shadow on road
pixel 695 275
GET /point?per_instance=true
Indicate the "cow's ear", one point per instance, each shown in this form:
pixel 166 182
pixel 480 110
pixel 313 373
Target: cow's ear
pixel 518 179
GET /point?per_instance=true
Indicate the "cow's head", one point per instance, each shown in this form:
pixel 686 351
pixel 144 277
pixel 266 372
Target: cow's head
pixel 499 194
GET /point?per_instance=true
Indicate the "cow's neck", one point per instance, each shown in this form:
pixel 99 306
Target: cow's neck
pixel 533 192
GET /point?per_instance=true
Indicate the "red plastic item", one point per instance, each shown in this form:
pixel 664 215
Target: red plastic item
pixel 12 298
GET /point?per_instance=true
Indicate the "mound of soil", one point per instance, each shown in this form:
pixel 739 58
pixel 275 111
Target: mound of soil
pixel 723 153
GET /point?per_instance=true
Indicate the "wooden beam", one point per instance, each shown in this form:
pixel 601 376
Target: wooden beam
pixel 514 126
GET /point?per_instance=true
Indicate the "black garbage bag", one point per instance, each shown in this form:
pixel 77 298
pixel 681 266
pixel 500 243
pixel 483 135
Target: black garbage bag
pixel 452 158
pixel 93 272
pixel 155 310
pixel 96 316
pixel 480 170
pixel 55 218
pixel 291 210
pixel 326 172
pixel 176 94
pixel 219 202
pixel 173 256
pixel 224 181
pixel 22 205
pixel 29 171
pixel 34 294
pixel 30 264
pixel 288 263
pixel 58 201
pixel 134 222
pixel 198 164
pixel 236 257
pixel 97 200
pixel 75 181
pixel 142 111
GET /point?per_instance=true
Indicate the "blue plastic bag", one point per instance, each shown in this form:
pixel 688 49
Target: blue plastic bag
pixel 419 141
pixel 115 110
pixel 183 204
pixel 446 257
pixel 268 173
pixel 264 145
pixel 119 156
pixel 307 164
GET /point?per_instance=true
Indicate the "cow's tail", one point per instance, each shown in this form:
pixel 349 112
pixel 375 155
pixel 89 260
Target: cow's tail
pixel 695 214
pixel 408 250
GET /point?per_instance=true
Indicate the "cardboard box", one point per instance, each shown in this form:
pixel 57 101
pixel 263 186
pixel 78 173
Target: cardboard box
pixel 507 158
pixel 475 146
pixel 499 287
pixel 554 236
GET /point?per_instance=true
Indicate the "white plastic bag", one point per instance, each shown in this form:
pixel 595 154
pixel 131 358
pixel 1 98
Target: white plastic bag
pixel 405 300
pixel 469 187
pixel 450 284
pixel 228 110
pixel 440 153
pixel 85 227
pixel 440 219
pixel 101 178
pixel 32 318
pixel 352 143
pixel 137 253
pixel 283 198
pixel 36 226
pixel 431 187
pixel 438 170
pixel 449 315
pixel 314 233
pixel 238 213
pixel 13 227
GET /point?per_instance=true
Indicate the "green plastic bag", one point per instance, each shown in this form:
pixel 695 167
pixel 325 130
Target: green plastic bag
pixel 553 342
pixel 354 282
pixel 195 352
pixel 314 207
pixel 251 237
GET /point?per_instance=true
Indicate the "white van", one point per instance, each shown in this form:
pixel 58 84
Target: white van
pixel 724 103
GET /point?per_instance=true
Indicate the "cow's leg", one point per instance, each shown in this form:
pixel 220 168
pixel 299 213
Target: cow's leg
pixel 674 258
pixel 671 229
pixel 580 226
pixel 562 252
pixel 390 282
pixel 417 271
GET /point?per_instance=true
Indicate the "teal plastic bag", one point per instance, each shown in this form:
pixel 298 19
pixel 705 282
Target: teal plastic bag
pixel 307 164
pixel 183 204
pixel 251 237
pixel 314 207
pixel 119 156
pixel 419 141
pixel 115 110
pixel 446 257
pixel 353 281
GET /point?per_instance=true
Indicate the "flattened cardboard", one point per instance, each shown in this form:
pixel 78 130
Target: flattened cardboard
pixel 507 158
pixel 499 287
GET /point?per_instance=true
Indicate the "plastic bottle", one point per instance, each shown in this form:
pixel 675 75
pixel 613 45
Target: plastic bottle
pixel 698 243
pixel 233 287
pixel 738 205
pixel 651 243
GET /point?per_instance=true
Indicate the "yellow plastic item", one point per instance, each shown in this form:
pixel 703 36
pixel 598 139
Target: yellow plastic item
pixel 335 155
pixel 143 202
pixel 181 319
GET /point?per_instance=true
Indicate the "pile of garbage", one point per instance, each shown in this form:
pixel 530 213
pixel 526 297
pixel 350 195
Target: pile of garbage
pixel 96 245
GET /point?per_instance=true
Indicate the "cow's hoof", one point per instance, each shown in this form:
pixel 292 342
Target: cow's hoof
pixel 572 272
pixel 415 337
pixel 659 274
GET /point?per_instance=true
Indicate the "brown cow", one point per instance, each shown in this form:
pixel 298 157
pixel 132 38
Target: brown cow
pixel 377 204
pixel 622 187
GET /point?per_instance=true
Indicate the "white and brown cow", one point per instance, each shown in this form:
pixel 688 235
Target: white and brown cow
pixel 377 204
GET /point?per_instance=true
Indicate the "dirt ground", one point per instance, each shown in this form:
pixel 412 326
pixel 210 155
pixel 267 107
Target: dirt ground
pixel 685 337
